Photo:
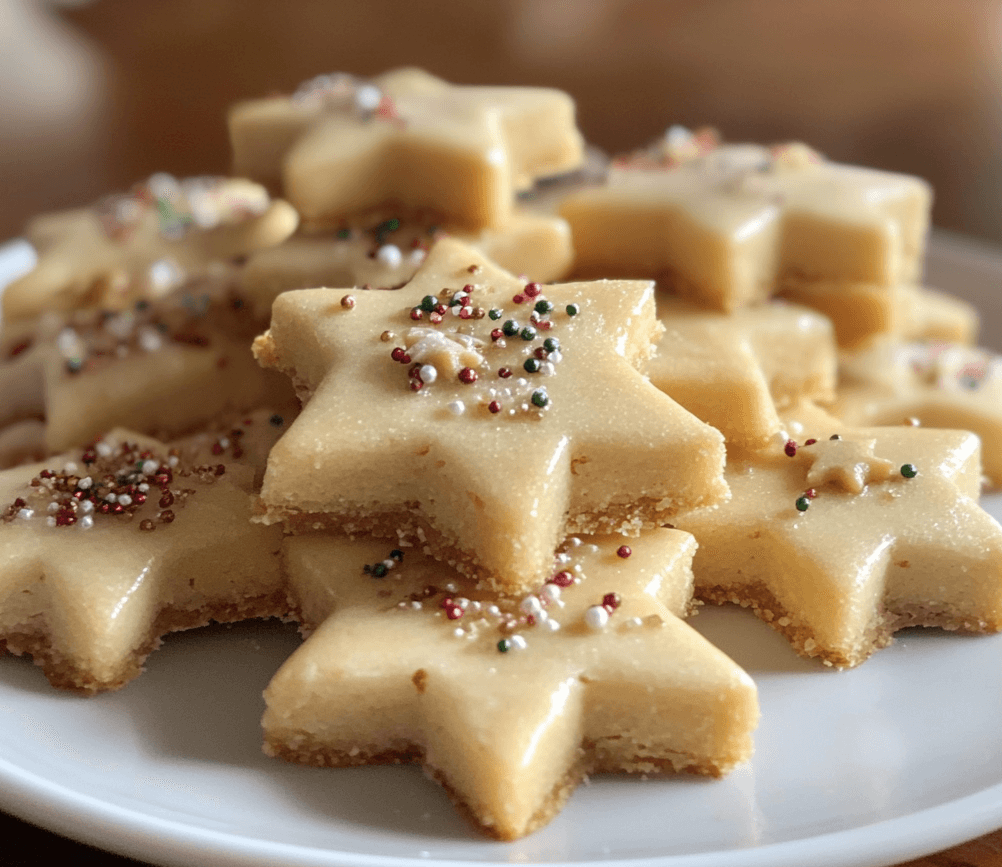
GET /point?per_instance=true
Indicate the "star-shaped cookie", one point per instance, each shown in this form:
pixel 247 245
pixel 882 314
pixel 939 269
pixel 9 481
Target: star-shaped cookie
pixel 385 254
pixel 507 703
pixel 166 366
pixel 342 146
pixel 860 311
pixel 836 571
pixel 144 243
pixel 105 550
pixel 732 370
pixel 729 225
pixel 479 416
pixel 936 384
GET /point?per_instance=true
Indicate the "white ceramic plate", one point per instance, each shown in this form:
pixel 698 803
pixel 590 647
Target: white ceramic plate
pixel 898 758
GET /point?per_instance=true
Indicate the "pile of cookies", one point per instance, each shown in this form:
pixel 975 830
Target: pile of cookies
pixel 491 500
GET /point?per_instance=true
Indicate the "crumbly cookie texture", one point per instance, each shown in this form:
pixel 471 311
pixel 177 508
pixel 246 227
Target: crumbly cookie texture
pixel 342 145
pixel 732 370
pixel 385 252
pixel 165 366
pixel 726 225
pixel 144 243
pixel 107 549
pixel 843 535
pixel 935 384
pixel 861 311
pixel 508 703
pixel 480 417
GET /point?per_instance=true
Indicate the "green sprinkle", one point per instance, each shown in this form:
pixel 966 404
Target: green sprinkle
pixel 573 309
pixel 397 554
pixel 909 471
pixel 380 570
pixel 344 234
pixel 803 504
pixel 528 333
pixel 494 313
pixel 510 328
pixel 551 344
pixel 532 365
pixel 429 303
pixel 504 645
pixel 543 306
pixel 540 398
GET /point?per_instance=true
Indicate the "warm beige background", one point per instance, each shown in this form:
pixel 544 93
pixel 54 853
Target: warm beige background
pixel 97 94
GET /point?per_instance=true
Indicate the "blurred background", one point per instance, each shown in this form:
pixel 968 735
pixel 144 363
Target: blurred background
pixel 96 94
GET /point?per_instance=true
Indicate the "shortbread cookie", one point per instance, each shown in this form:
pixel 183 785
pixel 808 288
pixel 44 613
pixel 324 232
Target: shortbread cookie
pixel 106 550
pixel 939 385
pixel 732 370
pixel 480 417
pixel 843 535
pixel 384 254
pixel 507 703
pixel 860 311
pixel 342 145
pixel 728 225
pixel 166 366
pixel 144 243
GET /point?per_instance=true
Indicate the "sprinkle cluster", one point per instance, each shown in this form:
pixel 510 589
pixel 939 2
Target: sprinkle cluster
pixel 114 481
pixel 345 93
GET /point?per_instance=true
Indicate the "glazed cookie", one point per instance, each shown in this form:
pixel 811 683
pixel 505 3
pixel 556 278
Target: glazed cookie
pixel 480 417
pixel 844 535
pixel 939 385
pixel 860 311
pixel 385 253
pixel 342 145
pixel 732 370
pixel 727 225
pixel 166 366
pixel 144 243
pixel 507 703
pixel 107 549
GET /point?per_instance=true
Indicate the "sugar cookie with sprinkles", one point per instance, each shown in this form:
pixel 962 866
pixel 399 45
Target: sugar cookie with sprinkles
pixel 143 243
pixel 935 384
pixel 727 224
pixel 165 366
pixel 480 417
pixel 385 253
pixel 107 549
pixel 343 145
pixel 840 536
pixel 732 370
pixel 508 703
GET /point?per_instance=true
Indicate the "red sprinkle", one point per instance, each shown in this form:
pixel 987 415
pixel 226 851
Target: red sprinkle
pixel 504 372
pixel 532 289
pixel 624 551
pixel 790 448
pixel 435 318
pixel 417 313
pixel 562 579
pixel 518 299
pixel 416 384
pixel 494 406
pixel 497 334
pixel 810 442
pixel 400 354
pixel 468 376
pixel 810 493
pixel 610 602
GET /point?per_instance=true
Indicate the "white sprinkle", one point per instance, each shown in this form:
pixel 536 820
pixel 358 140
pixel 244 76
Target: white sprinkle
pixel 150 340
pixel 551 625
pixel 531 606
pixel 475 605
pixel 173 461
pixel 103 449
pixel 125 500
pixel 70 467
pixel 522 382
pixel 85 483
pixel 495 156
pixel 390 563
pixel 150 467
pixel 494 611
pixel 459 632
pixel 574 541
pixel 516 642
pixel 51 522
pixel 428 373
pixel 86 506
pixel 550 592
pixel 417 256
pixel 25 513
pixel 456 407
pixel 390 255
pixel 547 369
pixel 110 497
pixel 367 98
pixel 555 356
pixel 461 602
pixel 633 623
pixel 143 487
pixel 86 522
pixel 224 442
pixel 416 605
pixel 53 507
pixel 596 617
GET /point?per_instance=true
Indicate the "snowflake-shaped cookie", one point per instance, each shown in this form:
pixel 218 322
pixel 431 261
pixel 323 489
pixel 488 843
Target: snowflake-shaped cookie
pixel 553 432
pixel 507 703
pixel 342 146
pixel 839 543
pixel 729 225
